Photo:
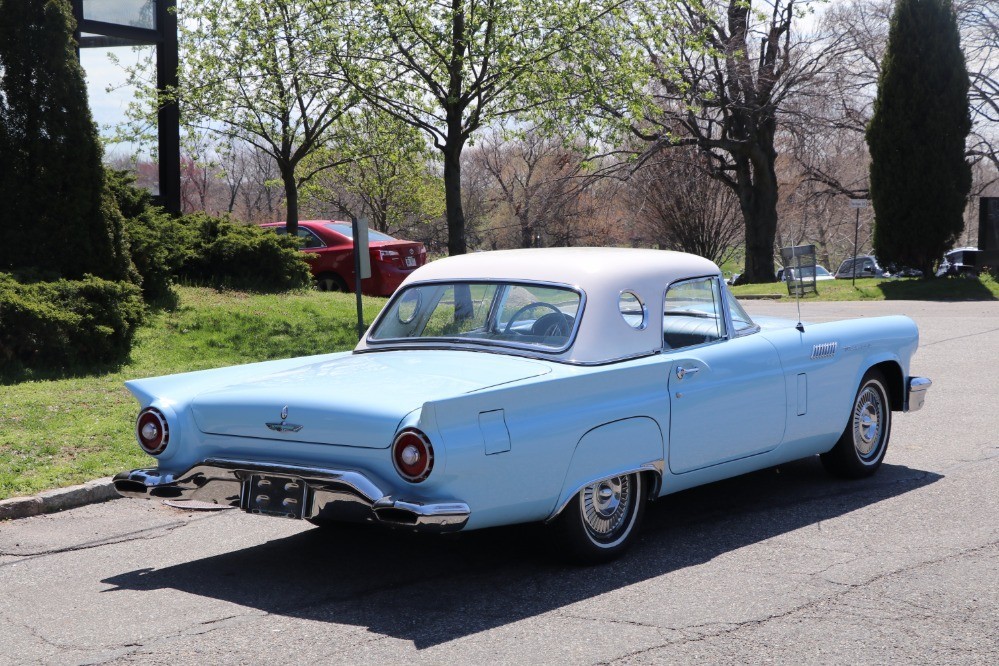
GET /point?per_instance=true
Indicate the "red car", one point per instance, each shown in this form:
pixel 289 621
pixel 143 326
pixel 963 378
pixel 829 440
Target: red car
pixel 332 243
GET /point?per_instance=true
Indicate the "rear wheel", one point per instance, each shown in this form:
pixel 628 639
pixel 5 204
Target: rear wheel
pixel 330 282
pixel 600 522
pixel 864 441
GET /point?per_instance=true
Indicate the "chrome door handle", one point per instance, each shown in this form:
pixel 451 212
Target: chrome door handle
pixel 682 372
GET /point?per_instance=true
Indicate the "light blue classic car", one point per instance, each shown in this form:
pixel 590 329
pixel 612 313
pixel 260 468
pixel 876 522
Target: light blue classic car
pixel 567 386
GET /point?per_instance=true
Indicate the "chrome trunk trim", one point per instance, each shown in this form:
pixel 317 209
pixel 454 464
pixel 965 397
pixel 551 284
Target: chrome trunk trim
pixel 335 494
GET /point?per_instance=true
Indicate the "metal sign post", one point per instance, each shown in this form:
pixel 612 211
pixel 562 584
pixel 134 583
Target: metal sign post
pixel 362 265
pixel 794 259
pixel 858 204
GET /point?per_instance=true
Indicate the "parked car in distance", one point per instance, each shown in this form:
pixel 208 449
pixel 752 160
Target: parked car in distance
pixel 733 278
pixel 566 386
pixel 862 266
pixel 332 244
pixel 820 273
pixel 961 261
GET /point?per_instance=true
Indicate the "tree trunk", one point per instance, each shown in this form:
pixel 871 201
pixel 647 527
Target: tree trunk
pixel 291 199
pixel 757 191
pixel 452 200
pixel 526 234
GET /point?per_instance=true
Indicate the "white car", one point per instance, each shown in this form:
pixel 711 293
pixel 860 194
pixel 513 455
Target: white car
pixel 820 273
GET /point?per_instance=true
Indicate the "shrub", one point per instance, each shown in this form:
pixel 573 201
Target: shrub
pixel 157 242
pixel 66 323
pixel 226 254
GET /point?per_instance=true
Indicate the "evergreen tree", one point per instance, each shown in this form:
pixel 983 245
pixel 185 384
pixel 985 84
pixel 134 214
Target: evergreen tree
pixel 919 176
pixel 57 216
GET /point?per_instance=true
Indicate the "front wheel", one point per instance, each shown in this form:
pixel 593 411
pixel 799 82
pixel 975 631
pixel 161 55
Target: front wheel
pixel 600 522
pixel 864 441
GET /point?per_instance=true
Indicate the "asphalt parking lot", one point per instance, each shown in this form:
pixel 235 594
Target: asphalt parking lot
pixel 786 565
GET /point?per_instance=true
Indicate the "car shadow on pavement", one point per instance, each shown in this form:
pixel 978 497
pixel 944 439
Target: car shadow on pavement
pixel 434 589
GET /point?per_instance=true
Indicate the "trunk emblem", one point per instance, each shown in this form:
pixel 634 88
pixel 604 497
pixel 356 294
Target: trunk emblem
pixel 282 426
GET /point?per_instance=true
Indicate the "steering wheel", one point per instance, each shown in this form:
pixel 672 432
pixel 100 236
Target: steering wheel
pixel 552 324
pixel 555 312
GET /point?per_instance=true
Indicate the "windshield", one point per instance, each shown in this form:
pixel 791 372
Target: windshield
pixel 502 313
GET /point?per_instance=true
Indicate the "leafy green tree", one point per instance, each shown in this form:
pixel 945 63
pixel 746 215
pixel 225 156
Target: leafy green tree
pixel 257 72
pixel 449 68
pixel 59 217
pixel 383 174
pixel 920 178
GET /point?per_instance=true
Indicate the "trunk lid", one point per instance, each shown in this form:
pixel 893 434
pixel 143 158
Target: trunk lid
pixel 405 255
pixel 357 400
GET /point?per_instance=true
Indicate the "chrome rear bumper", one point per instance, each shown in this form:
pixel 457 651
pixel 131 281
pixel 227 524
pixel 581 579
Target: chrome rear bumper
pixel 332 494
pixel 915 393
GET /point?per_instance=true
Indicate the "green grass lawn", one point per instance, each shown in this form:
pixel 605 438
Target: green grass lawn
pixel 876 289
pixel 58 432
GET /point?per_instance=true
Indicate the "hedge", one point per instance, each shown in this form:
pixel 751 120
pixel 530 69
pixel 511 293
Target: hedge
pixel 66 324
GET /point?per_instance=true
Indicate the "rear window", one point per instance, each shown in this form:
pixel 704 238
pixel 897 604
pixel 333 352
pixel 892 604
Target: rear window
pixel 348 231
pixel 494 313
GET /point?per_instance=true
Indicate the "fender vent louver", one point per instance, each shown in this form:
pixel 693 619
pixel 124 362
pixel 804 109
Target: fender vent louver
pixel 825 350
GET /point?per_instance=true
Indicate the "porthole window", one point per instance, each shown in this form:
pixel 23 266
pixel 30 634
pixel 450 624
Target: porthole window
pixel 409 306
pixel 632 310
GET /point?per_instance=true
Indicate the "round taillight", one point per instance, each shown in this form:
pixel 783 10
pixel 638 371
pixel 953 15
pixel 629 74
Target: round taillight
pixel 413 455
pixel 152 431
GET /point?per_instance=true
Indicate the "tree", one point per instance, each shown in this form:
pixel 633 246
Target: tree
pixel 720 76
pixel 920 178
pixel 541 182
pixel 53 182
pixel 450 68
pixel 978 21
pixel 841 112
pixel 256 72
pixel 383 175
pixel 678 206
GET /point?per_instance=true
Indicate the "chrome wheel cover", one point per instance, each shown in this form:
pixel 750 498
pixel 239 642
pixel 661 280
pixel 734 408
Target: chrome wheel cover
pixel 868 422
pixel 606 508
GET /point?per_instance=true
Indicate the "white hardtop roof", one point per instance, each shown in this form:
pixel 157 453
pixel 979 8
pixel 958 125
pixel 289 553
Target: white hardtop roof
pixel 584 267
pixel 602 274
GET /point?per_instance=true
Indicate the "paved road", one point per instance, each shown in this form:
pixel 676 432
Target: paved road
pixel 785 565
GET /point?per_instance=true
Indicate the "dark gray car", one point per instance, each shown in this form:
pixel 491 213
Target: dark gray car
pixel 862 266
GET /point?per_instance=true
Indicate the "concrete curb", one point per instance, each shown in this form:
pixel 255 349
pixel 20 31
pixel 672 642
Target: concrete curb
pixel 760 297
pixel 92 492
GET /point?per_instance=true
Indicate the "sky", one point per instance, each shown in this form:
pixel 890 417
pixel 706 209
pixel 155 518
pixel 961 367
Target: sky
pixel 107 106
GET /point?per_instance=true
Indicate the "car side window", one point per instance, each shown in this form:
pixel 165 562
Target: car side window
pixel 741 323
pixel 311 240
pixel 692 314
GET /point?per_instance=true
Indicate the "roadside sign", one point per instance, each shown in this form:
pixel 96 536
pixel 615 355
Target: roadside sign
pixel 361 247
pixel 860 203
